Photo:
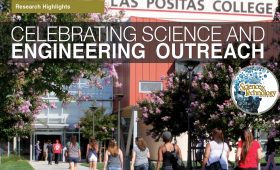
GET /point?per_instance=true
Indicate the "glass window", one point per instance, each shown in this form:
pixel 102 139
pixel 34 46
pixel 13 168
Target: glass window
pixel 44 112
pixel 125 124
pixel 108 96
pixel 72 113
pixel 74 87
pixel 57 111
pixel 69 135
pixel 149 86
pixel 107 104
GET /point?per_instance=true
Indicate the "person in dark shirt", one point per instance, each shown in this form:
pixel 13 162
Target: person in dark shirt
pixel 50 152
pixel 271 146
pixel 165 152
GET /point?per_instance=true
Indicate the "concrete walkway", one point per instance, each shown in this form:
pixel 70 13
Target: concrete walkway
pixel 43 165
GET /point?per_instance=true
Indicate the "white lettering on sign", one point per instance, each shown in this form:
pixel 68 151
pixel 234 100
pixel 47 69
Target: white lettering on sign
pixel 197 10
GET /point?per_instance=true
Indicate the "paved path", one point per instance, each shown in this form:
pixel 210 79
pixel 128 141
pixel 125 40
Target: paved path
pixel 43 165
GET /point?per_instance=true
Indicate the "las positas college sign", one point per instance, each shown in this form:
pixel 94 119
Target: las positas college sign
pixel 198 10
pixel 254 90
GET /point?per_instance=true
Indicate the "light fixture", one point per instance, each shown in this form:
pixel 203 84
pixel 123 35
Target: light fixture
pixel 93 109
pixel 190 64
pixel 119 97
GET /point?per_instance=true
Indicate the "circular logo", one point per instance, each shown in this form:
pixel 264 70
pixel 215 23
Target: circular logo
pixel 254 90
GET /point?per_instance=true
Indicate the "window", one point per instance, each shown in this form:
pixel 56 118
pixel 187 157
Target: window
pixel 149 86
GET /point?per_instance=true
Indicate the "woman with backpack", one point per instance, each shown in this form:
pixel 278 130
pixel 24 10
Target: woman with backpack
pixel 113 156
pixel 140 155
pixel 91 155
pixel 165 153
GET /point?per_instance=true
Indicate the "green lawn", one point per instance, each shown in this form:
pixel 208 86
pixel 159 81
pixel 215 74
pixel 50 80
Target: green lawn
pixel 14 162
pixel 263 163
pixel 12 158
pixel 22 165
pixel 99 165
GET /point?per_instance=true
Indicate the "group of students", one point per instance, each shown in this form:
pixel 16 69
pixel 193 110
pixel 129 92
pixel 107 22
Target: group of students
pixel 113 157
pixel 247 156
pixel 49 150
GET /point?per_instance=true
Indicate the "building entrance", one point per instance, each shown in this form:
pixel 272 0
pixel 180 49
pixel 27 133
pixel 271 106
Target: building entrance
pixel 52 138
pixel 43 136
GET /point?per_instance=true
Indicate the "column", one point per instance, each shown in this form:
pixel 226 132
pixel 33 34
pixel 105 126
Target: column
pixel 9 148
pixel 14 145
pixel 31 148
pixel 64 136
pixel 135 129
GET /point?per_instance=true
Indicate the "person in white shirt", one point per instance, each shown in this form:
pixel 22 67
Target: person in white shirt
pixel 216 150
pixel 45 152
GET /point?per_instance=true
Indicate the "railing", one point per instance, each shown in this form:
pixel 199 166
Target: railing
pixel 62 118
pixel 194 160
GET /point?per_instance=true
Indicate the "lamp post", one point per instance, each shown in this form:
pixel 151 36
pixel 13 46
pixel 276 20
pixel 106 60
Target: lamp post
pixel 190 65
pixel 257 135
pixel 119 97
pixel 93 109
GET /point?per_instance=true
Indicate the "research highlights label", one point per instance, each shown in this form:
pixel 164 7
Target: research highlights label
pixel 254 90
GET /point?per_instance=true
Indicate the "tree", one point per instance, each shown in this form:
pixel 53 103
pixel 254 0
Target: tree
pixel 166 109
pixel 211 104
pixel 22 83
pixel 104 125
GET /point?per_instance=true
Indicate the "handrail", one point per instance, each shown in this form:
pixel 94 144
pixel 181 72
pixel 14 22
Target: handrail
pixel 62 118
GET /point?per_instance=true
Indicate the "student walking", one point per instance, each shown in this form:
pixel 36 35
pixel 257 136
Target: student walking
pixel 45 155
pixel 74 152
pixel 216 150
pixel 271 146
pixel 248 152
pixel 38 150
pixel 57 151
pixel 199 153
pixel 165 152
pixel 140 155
pixel 49 150
pixel 113 156
pixel 91 154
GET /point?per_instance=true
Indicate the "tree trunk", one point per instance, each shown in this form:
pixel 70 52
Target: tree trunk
pixel 99 152
pixel 104 149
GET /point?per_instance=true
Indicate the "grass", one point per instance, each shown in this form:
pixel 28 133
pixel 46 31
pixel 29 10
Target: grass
pixel 99 165
pixel 12 158
pixel 263 163
pixel 14 162
pixel 21 164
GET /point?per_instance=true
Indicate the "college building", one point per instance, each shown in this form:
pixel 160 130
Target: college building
pixel 138 79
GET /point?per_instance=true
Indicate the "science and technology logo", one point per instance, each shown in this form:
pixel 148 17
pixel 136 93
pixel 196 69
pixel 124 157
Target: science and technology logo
pixel 254 90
